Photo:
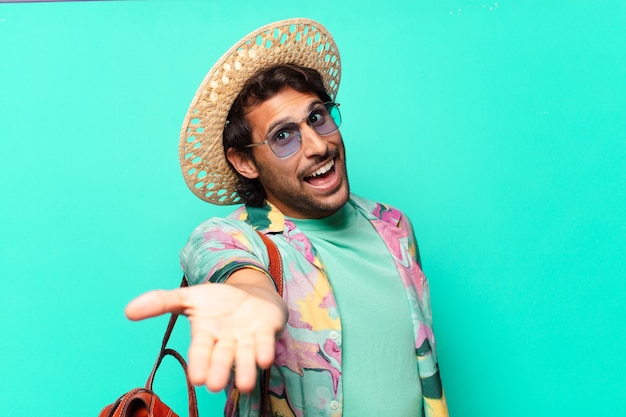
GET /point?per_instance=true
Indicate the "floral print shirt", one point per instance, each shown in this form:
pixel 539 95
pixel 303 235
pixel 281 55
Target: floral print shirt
pixel 305 378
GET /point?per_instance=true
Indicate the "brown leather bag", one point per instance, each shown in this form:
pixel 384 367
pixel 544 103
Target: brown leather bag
pixel 144 402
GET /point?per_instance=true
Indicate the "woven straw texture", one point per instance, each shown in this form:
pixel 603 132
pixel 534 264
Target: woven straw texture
pixel 297 41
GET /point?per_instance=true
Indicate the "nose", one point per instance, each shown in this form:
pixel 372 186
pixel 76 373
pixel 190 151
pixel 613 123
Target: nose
pixel 313 143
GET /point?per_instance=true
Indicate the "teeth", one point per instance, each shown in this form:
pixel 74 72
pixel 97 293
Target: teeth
pixel 323 170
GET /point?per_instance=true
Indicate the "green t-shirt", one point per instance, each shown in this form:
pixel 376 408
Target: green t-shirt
pixel 379 365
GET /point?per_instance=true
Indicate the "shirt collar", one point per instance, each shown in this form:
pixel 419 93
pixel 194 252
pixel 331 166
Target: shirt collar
pixel 266 218
pixel 269 219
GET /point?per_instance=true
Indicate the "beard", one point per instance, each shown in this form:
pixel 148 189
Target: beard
pixel 292 196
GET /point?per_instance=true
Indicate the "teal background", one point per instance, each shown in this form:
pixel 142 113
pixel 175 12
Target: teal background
pixel 498 127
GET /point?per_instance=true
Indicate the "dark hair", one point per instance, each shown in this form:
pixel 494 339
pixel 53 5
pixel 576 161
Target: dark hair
pixel 263 85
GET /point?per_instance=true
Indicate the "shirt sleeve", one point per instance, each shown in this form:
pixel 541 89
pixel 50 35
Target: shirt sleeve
pixel 425 299
pixel 218 247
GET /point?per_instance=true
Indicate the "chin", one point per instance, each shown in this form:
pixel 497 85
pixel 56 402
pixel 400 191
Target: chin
pixel 337 200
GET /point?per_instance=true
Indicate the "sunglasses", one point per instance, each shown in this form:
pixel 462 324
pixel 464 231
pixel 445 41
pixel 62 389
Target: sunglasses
pixel 286 139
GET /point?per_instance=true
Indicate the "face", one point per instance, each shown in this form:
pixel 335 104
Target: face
pixel 311 183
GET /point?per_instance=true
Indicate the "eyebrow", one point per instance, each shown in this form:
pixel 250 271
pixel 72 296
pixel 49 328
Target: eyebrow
pixel 287 120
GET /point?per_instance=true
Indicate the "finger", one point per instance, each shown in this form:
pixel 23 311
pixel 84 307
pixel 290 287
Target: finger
pixel 265 347
pixel 200 351
pixel 220 365
pixel 245 374
pixel 155 303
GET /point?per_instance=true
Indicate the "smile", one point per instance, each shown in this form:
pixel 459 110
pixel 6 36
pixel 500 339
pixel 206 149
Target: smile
pixel 322 176
pixel 323 170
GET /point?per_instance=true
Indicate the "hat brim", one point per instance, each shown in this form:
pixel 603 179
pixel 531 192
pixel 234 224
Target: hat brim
pixel 299 41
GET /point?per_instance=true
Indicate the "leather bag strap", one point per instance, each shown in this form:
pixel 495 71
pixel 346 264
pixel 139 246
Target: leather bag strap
pixel 276 271
pixel 170 326
pixel 276 264
pixel 191 392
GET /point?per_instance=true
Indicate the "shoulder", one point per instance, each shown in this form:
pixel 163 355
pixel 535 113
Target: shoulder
pixel 218 246
pixel 217 232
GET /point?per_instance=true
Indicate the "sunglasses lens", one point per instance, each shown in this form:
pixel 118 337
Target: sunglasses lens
pixel 286 140
pixel 325 120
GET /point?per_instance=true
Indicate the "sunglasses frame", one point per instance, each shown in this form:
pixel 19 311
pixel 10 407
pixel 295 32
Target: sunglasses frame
pixel 333 112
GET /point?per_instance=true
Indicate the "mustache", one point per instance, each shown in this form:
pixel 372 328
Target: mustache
pixel 330 154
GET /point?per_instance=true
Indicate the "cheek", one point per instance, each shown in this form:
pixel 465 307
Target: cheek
pixel 285 170
pixel 275 173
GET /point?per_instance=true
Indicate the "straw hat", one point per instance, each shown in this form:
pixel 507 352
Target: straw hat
pixel 298 41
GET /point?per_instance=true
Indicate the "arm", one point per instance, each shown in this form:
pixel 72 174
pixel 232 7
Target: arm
pixel 231 324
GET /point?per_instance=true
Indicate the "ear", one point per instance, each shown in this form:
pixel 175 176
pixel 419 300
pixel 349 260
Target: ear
pixel 242 163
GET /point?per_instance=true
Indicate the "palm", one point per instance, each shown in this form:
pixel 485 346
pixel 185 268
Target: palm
pixel 229 327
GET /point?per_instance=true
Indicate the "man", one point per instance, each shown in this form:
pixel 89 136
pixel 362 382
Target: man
pixel 352 332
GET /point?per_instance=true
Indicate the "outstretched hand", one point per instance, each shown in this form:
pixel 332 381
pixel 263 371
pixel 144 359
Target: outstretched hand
pixel 231 325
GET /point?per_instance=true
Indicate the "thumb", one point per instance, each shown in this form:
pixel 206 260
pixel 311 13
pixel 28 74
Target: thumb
pixel 155 303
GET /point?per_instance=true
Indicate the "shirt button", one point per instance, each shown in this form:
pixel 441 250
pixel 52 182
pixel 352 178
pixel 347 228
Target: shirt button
pixel 334 405
pixel 334 335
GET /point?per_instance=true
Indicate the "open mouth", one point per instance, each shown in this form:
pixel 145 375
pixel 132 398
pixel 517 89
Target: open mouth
pixel 320 176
